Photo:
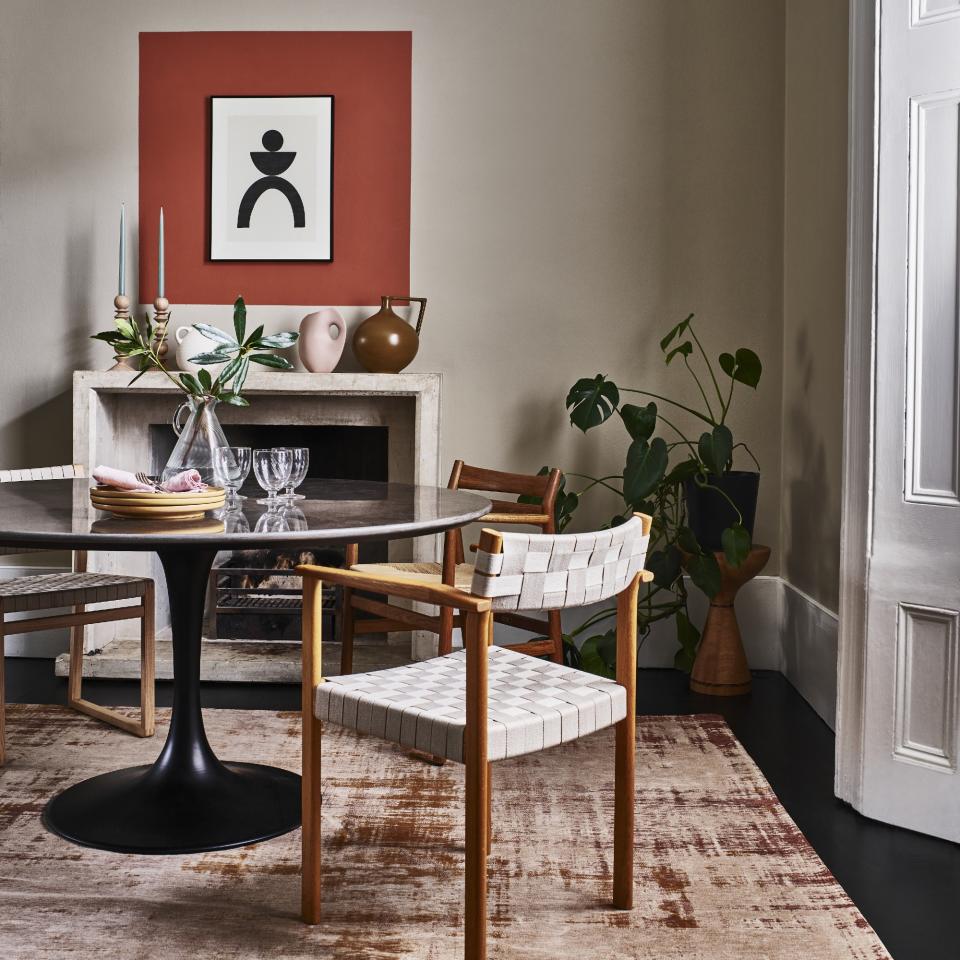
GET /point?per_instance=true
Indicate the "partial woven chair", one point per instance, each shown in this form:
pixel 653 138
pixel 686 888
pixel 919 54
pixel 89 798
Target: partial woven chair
pixel 77 590
pixel 454 571
pixel 486 703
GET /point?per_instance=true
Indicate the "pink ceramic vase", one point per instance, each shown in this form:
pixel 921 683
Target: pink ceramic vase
pixel 322 338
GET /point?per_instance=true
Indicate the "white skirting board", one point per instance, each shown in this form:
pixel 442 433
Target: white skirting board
pixel 783 629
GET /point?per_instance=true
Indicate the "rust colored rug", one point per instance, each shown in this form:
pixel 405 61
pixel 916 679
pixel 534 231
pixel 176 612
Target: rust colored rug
pixel 722 873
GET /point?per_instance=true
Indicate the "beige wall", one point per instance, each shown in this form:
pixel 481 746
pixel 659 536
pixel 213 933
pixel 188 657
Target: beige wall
pixel 584 174
pixel 813 294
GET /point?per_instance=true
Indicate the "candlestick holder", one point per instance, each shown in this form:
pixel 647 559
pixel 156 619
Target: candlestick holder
pixel 121 308
pixel 161 317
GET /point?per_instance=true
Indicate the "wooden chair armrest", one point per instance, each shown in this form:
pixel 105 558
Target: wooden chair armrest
pixel 409 589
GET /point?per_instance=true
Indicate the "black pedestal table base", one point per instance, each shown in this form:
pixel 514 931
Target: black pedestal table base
pixel 188 801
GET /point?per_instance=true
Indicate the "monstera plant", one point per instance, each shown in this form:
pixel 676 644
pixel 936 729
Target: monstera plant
pixel 677 479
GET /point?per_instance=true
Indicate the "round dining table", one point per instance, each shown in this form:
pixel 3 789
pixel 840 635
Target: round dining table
pixel 189 800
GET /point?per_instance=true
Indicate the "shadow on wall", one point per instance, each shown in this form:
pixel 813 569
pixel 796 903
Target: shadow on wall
pixel 42 435
pixel 811 551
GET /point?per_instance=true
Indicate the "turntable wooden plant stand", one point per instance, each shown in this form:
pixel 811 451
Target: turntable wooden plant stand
pixel 721 667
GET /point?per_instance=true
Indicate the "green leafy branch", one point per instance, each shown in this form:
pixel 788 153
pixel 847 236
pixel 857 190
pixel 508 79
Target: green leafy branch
pixel 131 341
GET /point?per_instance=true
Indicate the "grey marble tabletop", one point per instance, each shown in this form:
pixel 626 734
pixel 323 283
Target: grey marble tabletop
pixel 57 514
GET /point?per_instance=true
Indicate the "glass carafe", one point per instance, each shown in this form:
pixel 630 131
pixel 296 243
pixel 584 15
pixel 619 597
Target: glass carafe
pixel 199 434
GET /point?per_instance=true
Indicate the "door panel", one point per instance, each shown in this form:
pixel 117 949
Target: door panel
pixel 910 731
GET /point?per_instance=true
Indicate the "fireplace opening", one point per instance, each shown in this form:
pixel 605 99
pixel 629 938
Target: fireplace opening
pixel 254 594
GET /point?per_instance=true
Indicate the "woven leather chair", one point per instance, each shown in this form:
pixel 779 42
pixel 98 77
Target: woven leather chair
pixel 77 589
pixel 487 703
pixel 454 571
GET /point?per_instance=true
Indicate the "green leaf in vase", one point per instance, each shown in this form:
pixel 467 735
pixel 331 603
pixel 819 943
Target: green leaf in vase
pixel 216 334
pixel 191 384
pixel 270 360
pixel 251 340
pixel 276 341
pixel 239 318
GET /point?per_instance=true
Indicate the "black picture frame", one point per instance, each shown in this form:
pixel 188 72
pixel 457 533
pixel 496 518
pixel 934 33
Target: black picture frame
pixel 209 192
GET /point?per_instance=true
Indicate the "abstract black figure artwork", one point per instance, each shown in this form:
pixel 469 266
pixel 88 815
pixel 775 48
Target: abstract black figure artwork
pixel 271 164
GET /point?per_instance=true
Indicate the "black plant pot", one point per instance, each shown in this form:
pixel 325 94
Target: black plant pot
pixel 709 514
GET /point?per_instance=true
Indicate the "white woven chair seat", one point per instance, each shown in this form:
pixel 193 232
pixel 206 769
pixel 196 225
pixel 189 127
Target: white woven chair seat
pixel 532 704
pixel 425 572
pixel 51 590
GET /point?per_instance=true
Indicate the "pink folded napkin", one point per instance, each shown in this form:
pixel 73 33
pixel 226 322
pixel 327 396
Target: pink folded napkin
pixel 185 482
pixel 118 479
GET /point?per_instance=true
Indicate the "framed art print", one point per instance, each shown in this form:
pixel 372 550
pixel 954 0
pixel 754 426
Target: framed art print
pixel 271 178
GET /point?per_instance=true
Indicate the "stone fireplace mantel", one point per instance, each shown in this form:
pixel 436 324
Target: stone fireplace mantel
pixel 112 421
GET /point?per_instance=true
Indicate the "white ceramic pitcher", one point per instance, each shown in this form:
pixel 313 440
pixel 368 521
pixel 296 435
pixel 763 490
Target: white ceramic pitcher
pixel 191 343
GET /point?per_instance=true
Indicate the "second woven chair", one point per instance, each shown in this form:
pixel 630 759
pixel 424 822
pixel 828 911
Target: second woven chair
pixel 454 571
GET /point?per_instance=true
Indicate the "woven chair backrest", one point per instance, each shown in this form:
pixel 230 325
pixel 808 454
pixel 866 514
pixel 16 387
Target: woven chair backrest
pixel 67 472
pixel 551 571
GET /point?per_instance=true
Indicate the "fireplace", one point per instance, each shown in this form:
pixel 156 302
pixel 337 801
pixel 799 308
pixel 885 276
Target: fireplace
pixel 374 426
pixel 254 594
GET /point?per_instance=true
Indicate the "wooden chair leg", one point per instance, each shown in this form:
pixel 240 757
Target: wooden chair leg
pixel 477 788
pixel 3 695
pixel 148 665
pixel 346 632
pixel 311 674
pixel 490 771
pixel 445 641
pixel 489 808
pixel 75 700
pixel 556 636
pixel 626 732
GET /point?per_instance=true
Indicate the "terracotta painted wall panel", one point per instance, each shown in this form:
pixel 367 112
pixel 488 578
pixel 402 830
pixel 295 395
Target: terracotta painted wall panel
pixel 369 75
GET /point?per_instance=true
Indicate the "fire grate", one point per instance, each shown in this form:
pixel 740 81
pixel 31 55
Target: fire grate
pixel 257 595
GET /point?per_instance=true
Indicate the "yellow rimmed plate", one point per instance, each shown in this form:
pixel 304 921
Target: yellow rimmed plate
pixel 149 496
pixel 183 511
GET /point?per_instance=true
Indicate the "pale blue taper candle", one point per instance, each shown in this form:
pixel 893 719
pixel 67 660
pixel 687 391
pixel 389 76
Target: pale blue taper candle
pixel 160 267
pixel 122 283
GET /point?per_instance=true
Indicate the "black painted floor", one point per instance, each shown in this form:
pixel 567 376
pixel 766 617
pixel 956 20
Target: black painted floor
pixel 907 885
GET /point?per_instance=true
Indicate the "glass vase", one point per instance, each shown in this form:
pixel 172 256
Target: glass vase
pixel 199 434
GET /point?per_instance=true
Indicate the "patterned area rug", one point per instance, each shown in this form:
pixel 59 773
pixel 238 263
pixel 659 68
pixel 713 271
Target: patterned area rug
pixel 722 873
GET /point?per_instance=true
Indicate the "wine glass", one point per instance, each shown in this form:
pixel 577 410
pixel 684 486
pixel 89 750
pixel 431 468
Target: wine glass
pixel 298 473
pixel 272 469
pixel 231 466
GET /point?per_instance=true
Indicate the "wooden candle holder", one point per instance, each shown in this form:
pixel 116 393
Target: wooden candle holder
pixel 121 311
pixel 161 317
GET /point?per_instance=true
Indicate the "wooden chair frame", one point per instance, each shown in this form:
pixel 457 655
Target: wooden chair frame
pixel 477 617
pixel 76 621
pixel 389 617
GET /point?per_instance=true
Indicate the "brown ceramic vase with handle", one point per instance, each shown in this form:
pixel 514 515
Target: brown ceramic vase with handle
pixel 385 342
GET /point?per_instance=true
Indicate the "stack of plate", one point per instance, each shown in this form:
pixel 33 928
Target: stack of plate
pixel 157 506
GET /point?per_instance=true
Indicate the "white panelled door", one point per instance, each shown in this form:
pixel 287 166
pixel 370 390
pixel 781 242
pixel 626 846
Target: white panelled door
pixel 911 707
